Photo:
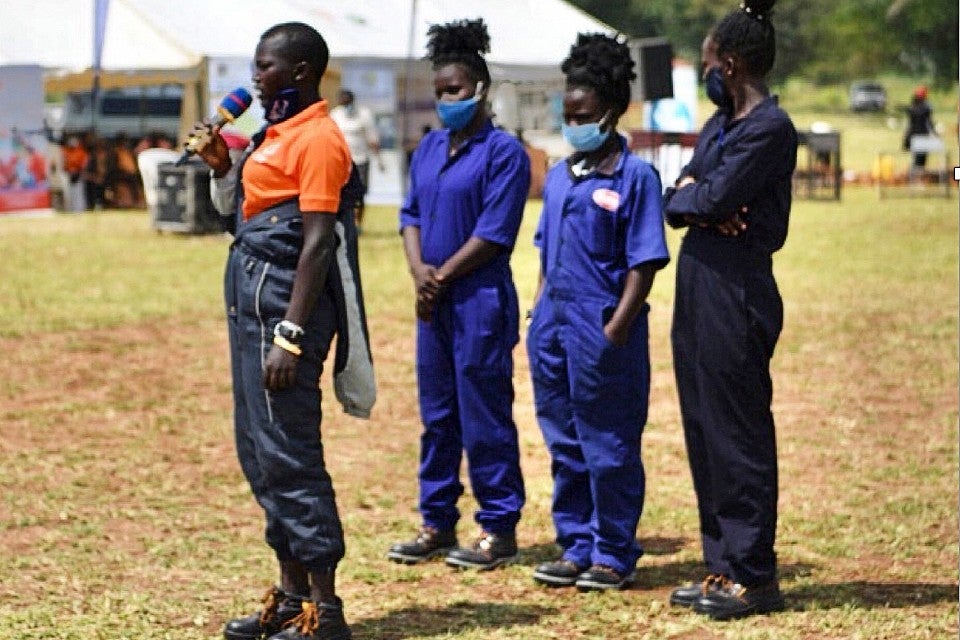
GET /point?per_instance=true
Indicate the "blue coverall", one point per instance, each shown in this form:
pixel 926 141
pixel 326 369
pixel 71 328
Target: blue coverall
pixel 464 354
pixel 591 396
pixel 727 318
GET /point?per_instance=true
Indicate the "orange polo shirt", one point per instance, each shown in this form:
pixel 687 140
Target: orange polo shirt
pixel 74 159
pixel 304 157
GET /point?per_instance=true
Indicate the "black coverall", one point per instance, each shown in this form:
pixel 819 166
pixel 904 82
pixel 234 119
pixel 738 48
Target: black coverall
pixel 727 318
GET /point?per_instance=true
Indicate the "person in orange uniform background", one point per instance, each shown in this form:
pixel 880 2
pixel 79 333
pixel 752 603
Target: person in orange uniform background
pixel 75 159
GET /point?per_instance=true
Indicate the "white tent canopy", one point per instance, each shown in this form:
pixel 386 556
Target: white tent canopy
pixel 166 34
pixel 189 42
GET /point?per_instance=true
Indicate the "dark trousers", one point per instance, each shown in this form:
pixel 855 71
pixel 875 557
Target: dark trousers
pixel 465 384
pixel 278 433
pixel 727 319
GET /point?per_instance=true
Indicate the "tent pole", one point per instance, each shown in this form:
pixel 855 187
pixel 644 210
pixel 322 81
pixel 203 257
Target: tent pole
pixel 404 92
pixel 100 10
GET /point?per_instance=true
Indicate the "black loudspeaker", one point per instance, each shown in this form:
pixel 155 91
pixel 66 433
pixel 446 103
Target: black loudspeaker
pixel 654 57
pixel 183 199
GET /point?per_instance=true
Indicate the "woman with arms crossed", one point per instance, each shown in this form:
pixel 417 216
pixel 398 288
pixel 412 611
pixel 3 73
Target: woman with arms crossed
pixel 735 198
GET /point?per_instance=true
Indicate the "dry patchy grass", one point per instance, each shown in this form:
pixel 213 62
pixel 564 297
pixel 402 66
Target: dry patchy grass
pixel 124 513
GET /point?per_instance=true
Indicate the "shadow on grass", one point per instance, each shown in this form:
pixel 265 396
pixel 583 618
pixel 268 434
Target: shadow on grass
pixel 457 618
pixel 869 595
pixel 661 546
pixel 546 552
pixel 535 554
pixel 674 574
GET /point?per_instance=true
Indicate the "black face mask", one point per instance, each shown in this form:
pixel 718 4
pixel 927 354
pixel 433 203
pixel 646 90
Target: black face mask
pixel 283 105
pixel 717 91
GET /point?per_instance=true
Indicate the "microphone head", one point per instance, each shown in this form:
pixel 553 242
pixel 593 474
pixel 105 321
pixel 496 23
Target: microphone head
pixel 234 104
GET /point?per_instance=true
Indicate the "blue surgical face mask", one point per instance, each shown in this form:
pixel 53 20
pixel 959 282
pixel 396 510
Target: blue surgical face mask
pixel 457 115
pixel 716 90
pixel 585 137
pixel 283 105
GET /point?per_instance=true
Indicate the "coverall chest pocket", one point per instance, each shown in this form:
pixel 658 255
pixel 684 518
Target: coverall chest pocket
pixel 600 231
pixel 600 222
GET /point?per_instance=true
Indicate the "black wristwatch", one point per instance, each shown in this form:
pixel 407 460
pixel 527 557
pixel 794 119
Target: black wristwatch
pixel 289 331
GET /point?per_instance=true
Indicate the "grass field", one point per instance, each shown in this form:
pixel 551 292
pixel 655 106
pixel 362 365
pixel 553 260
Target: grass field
pixel 123 513
pixel 862 135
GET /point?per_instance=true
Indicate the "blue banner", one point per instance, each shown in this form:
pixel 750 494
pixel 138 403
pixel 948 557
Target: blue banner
pixel 100 9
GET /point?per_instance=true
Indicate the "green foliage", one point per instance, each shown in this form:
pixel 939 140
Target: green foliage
pixel 827 41
pixel 927 32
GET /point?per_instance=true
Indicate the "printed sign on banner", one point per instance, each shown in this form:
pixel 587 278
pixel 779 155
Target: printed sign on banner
pixel 24 175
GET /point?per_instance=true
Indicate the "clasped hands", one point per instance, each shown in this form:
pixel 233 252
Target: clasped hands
pixel 429 284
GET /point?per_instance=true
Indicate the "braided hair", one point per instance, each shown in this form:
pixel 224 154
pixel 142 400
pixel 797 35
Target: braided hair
pixel 749 33
pixel 602 63
pixel 462 42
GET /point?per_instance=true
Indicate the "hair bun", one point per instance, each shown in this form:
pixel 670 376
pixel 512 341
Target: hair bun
pixel 458 37
pixel 757 8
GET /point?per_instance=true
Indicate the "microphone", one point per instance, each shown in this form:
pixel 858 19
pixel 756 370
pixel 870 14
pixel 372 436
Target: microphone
pixel 233 105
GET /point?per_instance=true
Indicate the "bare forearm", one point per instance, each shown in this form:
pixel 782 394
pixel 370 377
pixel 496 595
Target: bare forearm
pixel 635 292
pixel 471 256
pixel 539 292
pixel 312 268
pixel 411 246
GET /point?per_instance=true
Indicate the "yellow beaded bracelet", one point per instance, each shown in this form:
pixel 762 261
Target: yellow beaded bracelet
pixel 286 345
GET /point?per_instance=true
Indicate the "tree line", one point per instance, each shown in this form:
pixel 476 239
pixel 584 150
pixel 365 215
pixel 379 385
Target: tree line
pixel 822 40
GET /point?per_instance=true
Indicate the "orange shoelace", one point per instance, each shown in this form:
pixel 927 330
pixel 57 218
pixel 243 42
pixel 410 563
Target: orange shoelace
pixel 271 600
pixel 724 583
pixel 309 619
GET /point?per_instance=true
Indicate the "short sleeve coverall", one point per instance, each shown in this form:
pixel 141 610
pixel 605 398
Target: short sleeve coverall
pixel 591 395
pixel 464 355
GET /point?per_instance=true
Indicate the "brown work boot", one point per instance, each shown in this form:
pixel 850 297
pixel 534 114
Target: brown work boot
pixel 428 544
pixel 491 550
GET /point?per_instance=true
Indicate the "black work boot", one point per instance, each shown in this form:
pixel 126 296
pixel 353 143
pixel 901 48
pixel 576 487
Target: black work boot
pixel 687 595
pixel 559 573
pixel 600 577
pixel 428 544
pixel 279 608
pixel 322 621
pixel 491 550
pixel 733 600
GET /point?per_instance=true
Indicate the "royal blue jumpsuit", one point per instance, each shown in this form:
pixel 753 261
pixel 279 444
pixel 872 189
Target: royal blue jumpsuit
pixel 727 318
pixel 464 354
pixel 591 396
